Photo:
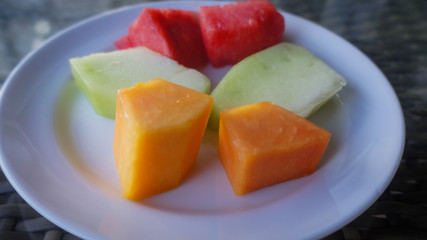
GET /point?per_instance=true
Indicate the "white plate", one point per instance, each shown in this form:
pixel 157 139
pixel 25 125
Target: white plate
pixel 57 152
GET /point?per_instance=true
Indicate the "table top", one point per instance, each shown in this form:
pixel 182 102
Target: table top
pixel 392 33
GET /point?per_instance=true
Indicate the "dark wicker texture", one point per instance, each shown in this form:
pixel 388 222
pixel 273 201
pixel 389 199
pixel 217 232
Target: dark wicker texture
pixel 392 33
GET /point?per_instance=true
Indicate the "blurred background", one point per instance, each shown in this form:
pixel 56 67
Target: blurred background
pixel 393 33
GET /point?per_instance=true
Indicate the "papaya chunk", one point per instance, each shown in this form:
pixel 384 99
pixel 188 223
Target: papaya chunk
pixel 262 144
pixel 158 131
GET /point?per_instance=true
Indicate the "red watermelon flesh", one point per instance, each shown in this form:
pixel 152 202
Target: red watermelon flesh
pixel 171 32
pixel 123 43
pixel 237 30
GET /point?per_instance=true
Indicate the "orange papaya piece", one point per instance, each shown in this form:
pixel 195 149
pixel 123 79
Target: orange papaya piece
pixel 158 131
pixel 263 144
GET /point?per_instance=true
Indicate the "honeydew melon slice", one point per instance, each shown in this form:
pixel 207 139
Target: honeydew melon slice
pixel 285 74
pixel 101 75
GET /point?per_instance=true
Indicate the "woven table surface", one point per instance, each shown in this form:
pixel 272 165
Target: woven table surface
pixel 393 33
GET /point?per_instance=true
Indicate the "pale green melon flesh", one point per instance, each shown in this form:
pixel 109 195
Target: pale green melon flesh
pixel 101 75
pixel 286 74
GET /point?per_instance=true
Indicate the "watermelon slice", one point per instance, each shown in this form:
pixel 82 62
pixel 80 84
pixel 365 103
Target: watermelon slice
pixel 171 32
pixel 234 31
